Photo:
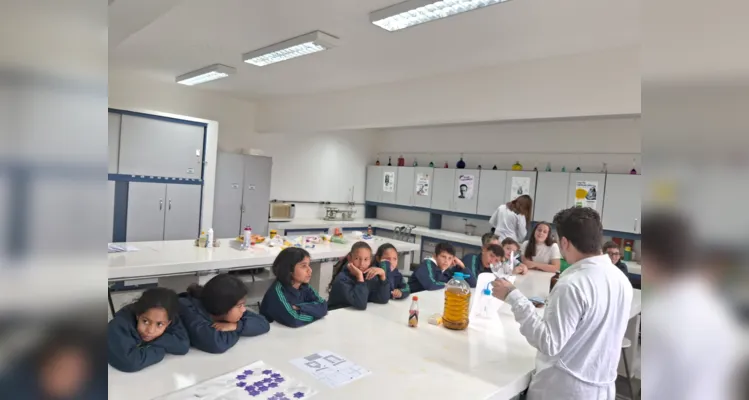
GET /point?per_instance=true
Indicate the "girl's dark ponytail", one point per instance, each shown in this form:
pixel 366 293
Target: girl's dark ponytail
pixel 337 269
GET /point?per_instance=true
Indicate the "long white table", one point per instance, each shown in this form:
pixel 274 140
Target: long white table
pixel 486 361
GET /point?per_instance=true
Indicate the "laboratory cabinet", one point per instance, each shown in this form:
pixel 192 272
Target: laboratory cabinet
pixel 382 184
pixel 622 203
pixel 155 147
pixel 592 188
pixel 413 186
pixel 551 195
pixel 456 190
pixel 374 183
pixel 242 194
pixel 404 187
pixel 498 187
pixel 442 193
pixel 162 211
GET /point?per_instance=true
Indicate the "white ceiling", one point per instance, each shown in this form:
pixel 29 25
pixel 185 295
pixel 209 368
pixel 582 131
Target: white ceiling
pixel 166 38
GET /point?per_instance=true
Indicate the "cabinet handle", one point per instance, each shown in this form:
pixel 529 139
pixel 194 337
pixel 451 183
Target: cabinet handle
pixel 161 204
pixel 635 228
pixel 170 204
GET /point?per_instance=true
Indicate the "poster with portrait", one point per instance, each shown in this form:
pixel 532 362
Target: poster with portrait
pixel 519 186
pixel 465 186
pixel 388 182
pixel 586 193
pixel 422 184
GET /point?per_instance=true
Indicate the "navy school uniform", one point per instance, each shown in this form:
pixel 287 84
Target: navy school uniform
pixel 348 292
pixel 127 352
pixel 429 277
pixel 396 281
pixel 278 302
pixel 204 337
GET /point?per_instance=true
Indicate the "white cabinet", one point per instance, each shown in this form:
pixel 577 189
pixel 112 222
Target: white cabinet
pixel 622 203
pixel 591 186
pixel 551 195
pixel 374 183
pixel 492 192
pixel 160 211
pixel 517 180
pixel 404 188
pixel 466 192
pixel 389 184
pixel 422 187
pixel 443 189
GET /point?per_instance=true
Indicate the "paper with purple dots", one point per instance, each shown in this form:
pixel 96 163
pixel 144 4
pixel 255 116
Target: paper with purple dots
pixel 255 381
pixel 330 368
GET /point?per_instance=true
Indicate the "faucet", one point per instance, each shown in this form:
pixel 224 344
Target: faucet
pixel 468 225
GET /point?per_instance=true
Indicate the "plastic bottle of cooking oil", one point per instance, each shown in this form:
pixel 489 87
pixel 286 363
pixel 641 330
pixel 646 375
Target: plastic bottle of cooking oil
pixel 457 300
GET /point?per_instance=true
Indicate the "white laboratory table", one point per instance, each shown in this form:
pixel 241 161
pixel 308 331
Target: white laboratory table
pixel 486 361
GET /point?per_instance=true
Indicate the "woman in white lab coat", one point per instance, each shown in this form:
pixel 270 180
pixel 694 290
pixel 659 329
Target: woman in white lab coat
pixel 511 220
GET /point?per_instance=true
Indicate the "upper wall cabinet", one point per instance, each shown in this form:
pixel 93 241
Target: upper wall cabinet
pixel 389 184
pixel 492 191
pixel 551 195
pixel 114 142
pixel 443 189
pixel 374 182
pixel 422 186
pixel 404 193
pixel 153 147
pixel 622 203
pixel 466 190
pixel 586 190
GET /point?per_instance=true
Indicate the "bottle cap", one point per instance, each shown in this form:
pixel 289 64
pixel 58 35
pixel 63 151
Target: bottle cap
pixel 416 298
pixel 487 292
pixel 460 275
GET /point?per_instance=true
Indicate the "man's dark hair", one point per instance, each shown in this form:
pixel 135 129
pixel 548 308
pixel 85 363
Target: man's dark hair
pixel 444 247
pixel 669 240
pixel 582 227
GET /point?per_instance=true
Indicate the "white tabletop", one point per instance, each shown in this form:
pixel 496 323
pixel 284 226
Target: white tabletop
pixel 176 257
pixel 484 361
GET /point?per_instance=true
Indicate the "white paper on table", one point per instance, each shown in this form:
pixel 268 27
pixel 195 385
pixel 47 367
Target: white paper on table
pixel 330 368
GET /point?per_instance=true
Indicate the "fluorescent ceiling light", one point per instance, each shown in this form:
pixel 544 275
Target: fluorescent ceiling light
pixel 309 43
pixel 207 74
pixel 414 12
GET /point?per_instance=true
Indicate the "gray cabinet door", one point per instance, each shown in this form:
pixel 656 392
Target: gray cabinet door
pixel 466 192
pixel 374 183
pixel 153 147
pixel 146 205
pixel 113 142
pixel 444 189
pixel 551 195
pixel 388 187
pixel 256 196
pixel 598 181
pixel 110 211
pixel 422 188
pixel 622 203
pixel 227 198
pixel 182 212
pixel 404 188
pixel 492 191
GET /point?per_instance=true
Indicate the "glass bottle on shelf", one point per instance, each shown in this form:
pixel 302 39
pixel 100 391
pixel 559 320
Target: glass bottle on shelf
pixel 377 162
pixel 390 161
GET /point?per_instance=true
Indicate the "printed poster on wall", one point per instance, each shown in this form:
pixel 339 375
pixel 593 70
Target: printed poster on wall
pixel 422 184
pixel 465 186
pixel 586 193
pixel 519 186
pixel 388 183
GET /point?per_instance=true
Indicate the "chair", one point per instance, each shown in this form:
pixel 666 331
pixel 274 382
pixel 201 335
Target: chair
pixel 626 343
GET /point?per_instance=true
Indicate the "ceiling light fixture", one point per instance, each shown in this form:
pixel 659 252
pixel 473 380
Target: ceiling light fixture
pixel 309 43
pixel 414 12
pixel 207 74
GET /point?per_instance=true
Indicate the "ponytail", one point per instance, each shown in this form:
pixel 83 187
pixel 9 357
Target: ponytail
pixel 195 290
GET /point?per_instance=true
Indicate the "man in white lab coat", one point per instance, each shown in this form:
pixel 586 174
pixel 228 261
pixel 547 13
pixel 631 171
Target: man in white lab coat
pixel 579 337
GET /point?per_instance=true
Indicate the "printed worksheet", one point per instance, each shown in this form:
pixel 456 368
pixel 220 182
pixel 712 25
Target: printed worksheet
pixel 255 381
pixel 330 368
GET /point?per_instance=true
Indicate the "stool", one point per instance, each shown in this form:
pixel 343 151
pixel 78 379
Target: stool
pixel 626 343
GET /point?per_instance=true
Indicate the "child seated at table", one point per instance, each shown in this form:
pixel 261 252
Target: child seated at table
pixel 356 282
pixel 491 254
pixel 433 273
pixel 511 247
pixel 387 258
pixel 290 300
pixel 140 334
pixel 615 254
pixel 215 315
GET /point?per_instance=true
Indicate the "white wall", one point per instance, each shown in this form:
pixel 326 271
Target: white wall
pixel 318 167
pixel 602 83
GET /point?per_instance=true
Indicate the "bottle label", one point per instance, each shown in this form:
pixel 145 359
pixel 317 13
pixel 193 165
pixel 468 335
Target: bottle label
pixel 413 318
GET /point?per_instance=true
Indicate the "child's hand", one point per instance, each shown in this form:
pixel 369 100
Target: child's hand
pixel 356 272
pixel 459 263
pixel 396 294
pixel 376 271
pixel 225 326
pixel 520 270
pixel 295 308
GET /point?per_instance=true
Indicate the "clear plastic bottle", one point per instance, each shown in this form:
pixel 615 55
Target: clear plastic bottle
pixel 247 237
pixel 413 313
pixel 457 302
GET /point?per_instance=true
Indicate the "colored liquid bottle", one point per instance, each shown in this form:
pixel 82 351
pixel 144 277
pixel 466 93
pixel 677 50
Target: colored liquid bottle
pixel 548 167
pixel 431 164
pixel 479 167
pixel 578 169
pixel 416 164
pixel 495 167
pixel 461 164
pixel 446 166
pixel 390 162
pixel 517 166
pixel 564 169
pixel 401 161
pixel 377 162
pixel 457 300
pixel 413 313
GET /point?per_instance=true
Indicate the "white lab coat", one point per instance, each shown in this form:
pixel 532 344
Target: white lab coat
pixel 579 337
pixel 692 343
pixel 507 223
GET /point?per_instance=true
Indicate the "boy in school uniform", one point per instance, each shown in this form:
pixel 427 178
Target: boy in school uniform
pixel 615 254
pixel 433 273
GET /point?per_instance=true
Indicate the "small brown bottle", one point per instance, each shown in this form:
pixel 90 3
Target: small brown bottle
pixel 553 282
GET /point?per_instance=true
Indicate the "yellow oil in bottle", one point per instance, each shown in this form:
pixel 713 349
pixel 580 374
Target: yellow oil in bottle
pixel 457 301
